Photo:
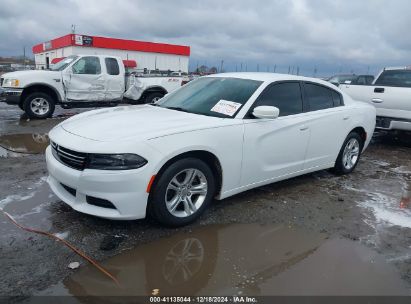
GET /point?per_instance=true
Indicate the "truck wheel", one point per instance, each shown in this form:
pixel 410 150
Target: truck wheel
pixel 154 97
pixel 38 105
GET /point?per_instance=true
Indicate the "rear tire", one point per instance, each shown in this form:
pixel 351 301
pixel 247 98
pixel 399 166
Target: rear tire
pixel 349 155
pixel 153 97
pixel 182 192
pixel 39 105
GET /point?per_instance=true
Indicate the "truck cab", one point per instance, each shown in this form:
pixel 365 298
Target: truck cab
pixel 81 81
pixel 390 93
pixel 75 79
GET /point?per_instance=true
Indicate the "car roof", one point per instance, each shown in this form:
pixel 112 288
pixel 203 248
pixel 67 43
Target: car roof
pixel 269 77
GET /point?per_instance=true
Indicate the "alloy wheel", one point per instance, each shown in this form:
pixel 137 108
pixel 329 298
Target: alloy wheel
pixel 186 192
pixel 40 106
pixel 351 153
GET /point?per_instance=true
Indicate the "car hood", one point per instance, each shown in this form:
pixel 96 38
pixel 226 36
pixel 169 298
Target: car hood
pixel 141 121
pixel 30 74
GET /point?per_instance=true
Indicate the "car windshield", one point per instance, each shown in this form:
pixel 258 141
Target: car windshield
pixel 211 96
pixel 61 65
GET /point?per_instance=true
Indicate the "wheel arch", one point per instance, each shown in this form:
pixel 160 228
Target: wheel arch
pixel 153 89
pixel 206 156
pixel 360 131
pixel 40 87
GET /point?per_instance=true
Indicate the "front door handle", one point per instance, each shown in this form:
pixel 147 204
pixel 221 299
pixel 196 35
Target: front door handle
pixel 303 128
pixel 377 100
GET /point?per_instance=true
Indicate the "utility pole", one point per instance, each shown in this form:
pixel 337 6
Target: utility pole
pixel 221 66
pixel 241 66
pixel 24 57
pixel 73 28
pixel 298 70
pixel 275 67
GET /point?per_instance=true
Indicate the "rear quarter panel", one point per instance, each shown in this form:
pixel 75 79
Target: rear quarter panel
pixel 361 115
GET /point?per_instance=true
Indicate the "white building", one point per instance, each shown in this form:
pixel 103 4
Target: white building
pixel 148 55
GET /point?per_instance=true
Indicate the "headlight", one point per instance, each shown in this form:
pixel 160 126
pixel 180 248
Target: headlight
pixel 115 161
pixel 9 82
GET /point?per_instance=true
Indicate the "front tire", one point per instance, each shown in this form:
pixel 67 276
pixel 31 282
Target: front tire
pixel 39 105
pixel 182 192
pixel 349 155
pixel 153 97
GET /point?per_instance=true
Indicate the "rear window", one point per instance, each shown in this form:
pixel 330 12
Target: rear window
pixel 319 97
pixel 112 66
pixel 395 78
pixel 337 99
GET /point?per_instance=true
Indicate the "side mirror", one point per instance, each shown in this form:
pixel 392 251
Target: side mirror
pixel 266 112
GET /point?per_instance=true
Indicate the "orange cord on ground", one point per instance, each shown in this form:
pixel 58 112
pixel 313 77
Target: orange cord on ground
pixel 80 253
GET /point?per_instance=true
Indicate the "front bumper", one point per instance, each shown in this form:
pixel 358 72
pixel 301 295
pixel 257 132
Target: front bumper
pixel 125 189
pixel 11 96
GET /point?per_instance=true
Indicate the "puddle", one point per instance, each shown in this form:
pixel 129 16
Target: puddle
pixel 389 210
pixel 241 259
pixel 31 208
pixel 12 145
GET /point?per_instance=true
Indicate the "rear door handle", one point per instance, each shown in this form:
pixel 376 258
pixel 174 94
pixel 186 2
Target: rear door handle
pixel 303 128
pixel 377 100
pixel 379 90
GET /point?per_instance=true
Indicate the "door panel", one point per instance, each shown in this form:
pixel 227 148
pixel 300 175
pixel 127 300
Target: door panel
pixel 273 148
pixel 328 122
pixel 391 93
pixel 328 130
pixel 115 80
pixel 85 80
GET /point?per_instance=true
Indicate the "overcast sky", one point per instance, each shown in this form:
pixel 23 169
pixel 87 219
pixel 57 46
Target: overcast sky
pixel 330 35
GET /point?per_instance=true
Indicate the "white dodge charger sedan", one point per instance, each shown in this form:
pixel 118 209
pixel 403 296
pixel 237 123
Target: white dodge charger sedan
pixel 213 138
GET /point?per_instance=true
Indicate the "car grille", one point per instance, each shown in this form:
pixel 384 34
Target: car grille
pixel 73 159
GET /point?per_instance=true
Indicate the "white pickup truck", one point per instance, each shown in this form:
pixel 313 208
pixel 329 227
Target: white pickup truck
pixel 82 81
pixel 390 93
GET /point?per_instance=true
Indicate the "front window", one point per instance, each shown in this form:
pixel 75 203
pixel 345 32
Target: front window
pixel 285 96
pixel 211 96
pixel 89 65
pixel 63 63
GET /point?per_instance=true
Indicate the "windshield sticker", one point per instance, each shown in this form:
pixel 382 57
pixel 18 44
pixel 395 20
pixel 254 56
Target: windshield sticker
pixel 226 107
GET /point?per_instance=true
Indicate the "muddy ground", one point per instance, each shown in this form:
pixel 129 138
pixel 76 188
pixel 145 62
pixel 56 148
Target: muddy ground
pixel 336 229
